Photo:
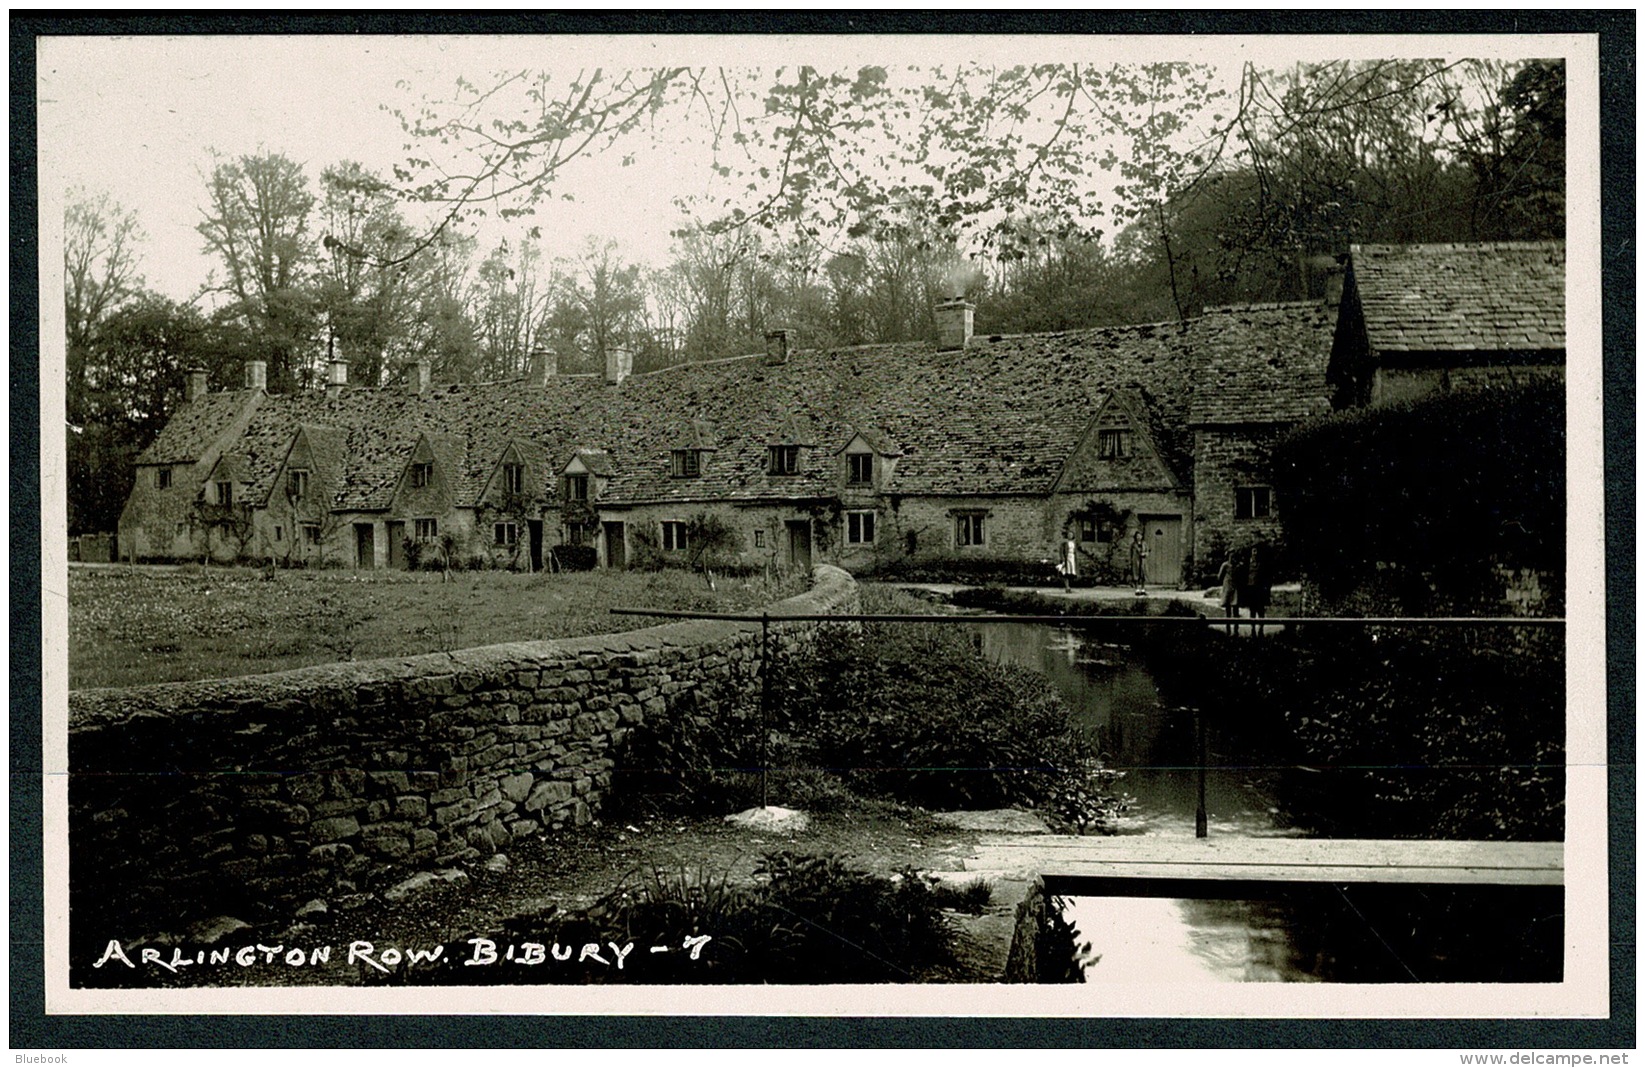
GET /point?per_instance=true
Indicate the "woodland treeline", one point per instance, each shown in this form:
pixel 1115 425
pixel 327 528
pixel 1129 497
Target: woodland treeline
pixel 1053 197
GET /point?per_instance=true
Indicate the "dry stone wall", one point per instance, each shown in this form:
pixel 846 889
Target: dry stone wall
pixel 250 796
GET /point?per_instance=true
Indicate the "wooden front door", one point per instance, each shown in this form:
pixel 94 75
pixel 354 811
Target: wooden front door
pixel 396 544
pixel 1164 536
pixel 616 549
pixel 799 544
pixel 365 545
pixel 534 533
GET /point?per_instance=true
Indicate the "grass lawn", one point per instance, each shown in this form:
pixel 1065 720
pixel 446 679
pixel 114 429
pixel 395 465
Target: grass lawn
pixel 134 625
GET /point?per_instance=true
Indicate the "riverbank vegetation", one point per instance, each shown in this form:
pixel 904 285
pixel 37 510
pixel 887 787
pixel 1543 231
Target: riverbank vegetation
pixel 905 712
pixel 805 918
pixel 1383 732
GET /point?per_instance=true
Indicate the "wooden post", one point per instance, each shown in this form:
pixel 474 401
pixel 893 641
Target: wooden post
pixel 765 703
pixel 1201 824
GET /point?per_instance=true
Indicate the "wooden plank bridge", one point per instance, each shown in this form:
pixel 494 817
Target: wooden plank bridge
pixel 1207 862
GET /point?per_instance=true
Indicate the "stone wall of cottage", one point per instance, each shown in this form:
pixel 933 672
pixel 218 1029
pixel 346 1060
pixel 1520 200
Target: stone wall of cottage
pixel 252 796
pixel 1225 459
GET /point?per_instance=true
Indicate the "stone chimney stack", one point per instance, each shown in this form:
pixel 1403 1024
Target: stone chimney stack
pixel 415 374
pixel 954 323
pixel 1334 279
pixel 545 364
pixel 194 383
pixel 257 375
pixel 339 376
pixel 619 364
pixel 776 348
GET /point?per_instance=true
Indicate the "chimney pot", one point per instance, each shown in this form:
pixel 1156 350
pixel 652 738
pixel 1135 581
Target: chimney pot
pixel 545 364
pixel 339 377
pixel 1334 279
pixel 257 374
pixel 415 374
pixel 776 347
pixel 619 364
pixel 954 321
pixel 194 383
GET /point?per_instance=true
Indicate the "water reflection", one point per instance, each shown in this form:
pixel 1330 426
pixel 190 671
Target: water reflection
pixel 1360 933
pixel 1115 699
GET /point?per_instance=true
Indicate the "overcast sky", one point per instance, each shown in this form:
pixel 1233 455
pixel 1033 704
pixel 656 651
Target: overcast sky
pixel 138 118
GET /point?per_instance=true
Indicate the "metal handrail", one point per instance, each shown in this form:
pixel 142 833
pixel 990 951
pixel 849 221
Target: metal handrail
pixel 1066 620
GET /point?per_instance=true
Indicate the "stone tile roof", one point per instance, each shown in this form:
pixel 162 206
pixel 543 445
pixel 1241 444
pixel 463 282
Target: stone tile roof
pixel 1263 364
pixel 999 417
pixel 195 426
pixel 1487 296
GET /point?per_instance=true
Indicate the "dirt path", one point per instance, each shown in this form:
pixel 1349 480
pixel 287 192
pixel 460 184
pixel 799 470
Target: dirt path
pixel 576 869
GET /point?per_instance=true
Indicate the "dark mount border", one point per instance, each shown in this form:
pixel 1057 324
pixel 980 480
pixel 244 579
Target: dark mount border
pixel 31 1029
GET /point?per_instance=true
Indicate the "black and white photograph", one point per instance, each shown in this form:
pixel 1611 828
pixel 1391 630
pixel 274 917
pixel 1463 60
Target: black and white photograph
pixel 859 525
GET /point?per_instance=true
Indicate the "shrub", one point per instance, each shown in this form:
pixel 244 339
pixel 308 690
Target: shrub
pixel 1436 489
pixel 810 919
pixel 577 557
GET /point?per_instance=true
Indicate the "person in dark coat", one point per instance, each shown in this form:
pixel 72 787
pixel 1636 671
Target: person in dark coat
pixel 1258 585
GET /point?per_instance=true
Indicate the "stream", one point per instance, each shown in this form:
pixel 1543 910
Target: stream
pixel 1297 933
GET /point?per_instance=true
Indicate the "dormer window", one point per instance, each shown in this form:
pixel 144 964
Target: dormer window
pixel 225 493
pixel 785 459
pixel 859 468
pixel 688 463
pixel 422 475
pixel 514 478
pixel 1115 444
pixel 576 488
pixel 297 484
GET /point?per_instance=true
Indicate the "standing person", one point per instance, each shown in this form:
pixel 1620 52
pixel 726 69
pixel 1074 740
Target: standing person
pixel 1258 586
pixel 1068 565
pixel 1228 576
pixel 1139 555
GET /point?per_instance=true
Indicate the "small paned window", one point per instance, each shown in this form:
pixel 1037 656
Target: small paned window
pixel 514 478
pixel 970 529
pixel 576 487
pixel 860 470
pixel 297 484
pixel 785 459
pixel 426 529
pixel 311 533
pixel 1114 444
pixel 506 535
pixel 859 528
pixel 225 493
pixel 279 533
pixel 1088 529
pixel 1253 502
pixel 162 478
pixel 759 539
pixel 421 475
pixel 688 463
pixel 674 538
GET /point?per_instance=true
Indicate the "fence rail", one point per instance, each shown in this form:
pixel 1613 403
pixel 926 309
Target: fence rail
pixel 1084 620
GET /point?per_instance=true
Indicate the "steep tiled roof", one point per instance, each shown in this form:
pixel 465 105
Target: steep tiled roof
pixel 191 432
pixel 1491 296
pixel 1001 416
pixel 1262 364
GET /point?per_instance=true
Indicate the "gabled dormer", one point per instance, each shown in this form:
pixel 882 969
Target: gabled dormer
pixel 427 485
pixel 225 483
pixel 305 483
pixel 1117 451
pixel 867 461
pixel 693 447
pixel 515 478
pixel 789 446
pixel 584 477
